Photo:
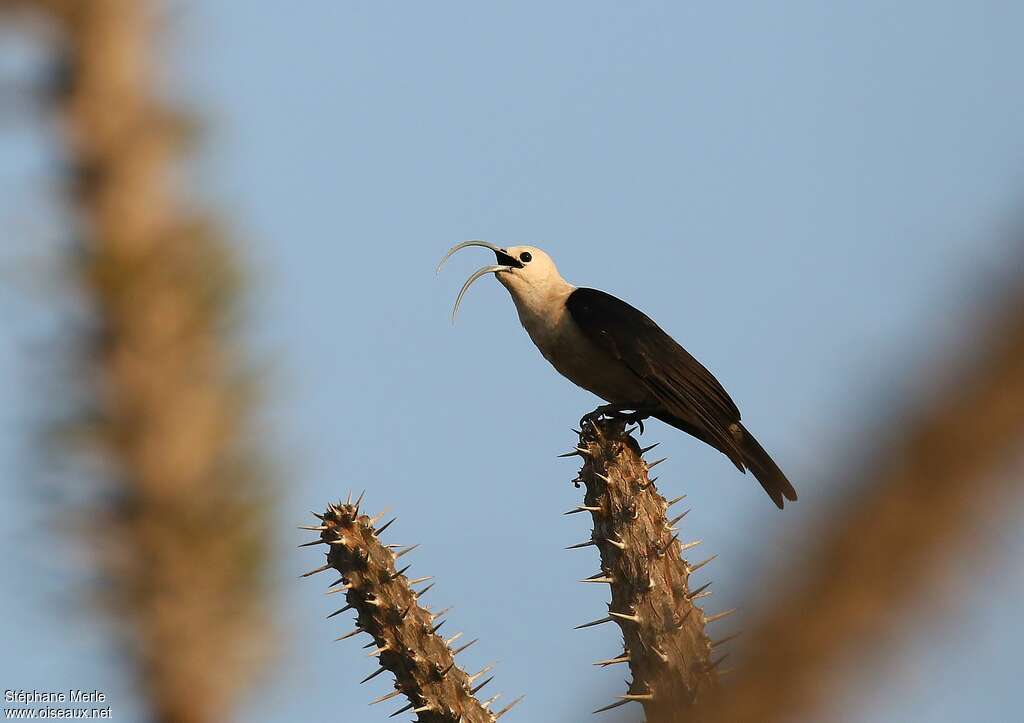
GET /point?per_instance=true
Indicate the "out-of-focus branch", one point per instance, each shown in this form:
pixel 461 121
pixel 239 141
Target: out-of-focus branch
pixel 405 634
pixel 179 523
pixel 670 656
pixel 926 493
pixel 34 6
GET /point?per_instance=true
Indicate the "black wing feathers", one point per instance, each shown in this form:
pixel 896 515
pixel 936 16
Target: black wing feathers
pixel 692 398
pixel 672 375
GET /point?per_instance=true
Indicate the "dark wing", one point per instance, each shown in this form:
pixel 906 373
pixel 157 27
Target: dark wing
pixel 679 382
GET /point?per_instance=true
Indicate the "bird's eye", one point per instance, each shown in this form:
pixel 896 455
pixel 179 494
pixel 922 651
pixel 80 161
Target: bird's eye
pixel 526 257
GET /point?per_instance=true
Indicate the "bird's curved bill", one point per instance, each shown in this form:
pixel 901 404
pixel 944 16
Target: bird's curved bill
pixel 508 264
pixel 469 282
pixel 466 244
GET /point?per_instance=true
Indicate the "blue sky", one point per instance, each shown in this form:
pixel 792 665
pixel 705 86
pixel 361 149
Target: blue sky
pixel 811 197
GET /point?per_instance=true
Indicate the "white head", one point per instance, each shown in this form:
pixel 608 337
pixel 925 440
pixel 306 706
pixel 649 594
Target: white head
pixel 527 272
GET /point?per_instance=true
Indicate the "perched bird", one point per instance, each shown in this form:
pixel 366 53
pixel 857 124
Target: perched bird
pixel 608 347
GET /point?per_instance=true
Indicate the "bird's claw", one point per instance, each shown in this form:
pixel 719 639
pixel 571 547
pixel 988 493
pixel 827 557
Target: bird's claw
pixel 616 412
pixel 605 410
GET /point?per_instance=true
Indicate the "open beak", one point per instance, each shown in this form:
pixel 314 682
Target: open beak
pixel 503 257
pixel 505 263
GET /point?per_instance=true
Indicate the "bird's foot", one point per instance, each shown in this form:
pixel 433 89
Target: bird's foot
pixel 637 417
pixel 611 411
pixel 629 415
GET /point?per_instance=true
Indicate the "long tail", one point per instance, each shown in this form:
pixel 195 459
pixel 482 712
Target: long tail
pixel 764 468
pixel 746 454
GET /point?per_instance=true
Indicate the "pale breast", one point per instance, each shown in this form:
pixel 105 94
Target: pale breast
pixel 576 358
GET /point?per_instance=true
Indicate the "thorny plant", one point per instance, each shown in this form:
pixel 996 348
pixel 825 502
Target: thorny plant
pixel 406 639
pixel 672 660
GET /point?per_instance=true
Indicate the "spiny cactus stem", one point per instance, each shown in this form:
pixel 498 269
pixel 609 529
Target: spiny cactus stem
pixel 666 647
pixel 405 635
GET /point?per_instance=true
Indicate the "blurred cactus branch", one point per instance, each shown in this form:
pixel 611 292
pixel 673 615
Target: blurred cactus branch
pixel 672 660
pixel 943 474
pixel 178 519
pixel 406 639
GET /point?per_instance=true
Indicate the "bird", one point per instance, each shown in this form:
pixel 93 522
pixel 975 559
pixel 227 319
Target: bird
pixel 617 352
